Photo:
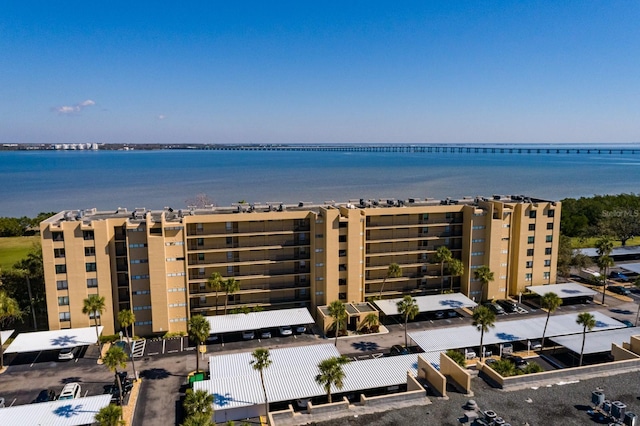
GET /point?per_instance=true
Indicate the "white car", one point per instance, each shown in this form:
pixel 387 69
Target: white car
pixel 69 353
pixel 536 345
pixel 300 329
pixel 285 330
pixel 70 391
pixel 248 335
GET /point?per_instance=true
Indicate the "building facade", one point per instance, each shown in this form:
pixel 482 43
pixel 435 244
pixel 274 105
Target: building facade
pixel 157 263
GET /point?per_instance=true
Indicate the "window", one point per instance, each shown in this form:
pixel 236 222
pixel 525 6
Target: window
pixel 529 264
pixel 342 239
pixel 62 285
pixel 229 241
pixel 549 238
pixel 137 261
pixel 90 266
pixel 200 257
pixel 529 252
pixel 342 296
pixel 550 225
pixel 63 301
pixel 476 227
pixel 547 262
pixel 342 267
pixel 547 251
pixel 89 251
pixel 546 275
pixel 477 253
pixel 478 240
pixel 64 316
pixel 528 277
pixel 531 240
pixel 59 252
pixel 94 315
pixel 92 282
pixel 57 236
pixel 342 224
pixel 200 241
pixel 532 227
pixel 61 269
pixel 87 235
pixel 319 236
pixel 551 213
pixel 532 214
pixel 342 253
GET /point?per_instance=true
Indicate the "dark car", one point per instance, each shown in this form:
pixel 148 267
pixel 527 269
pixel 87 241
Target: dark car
pixel 398 350
pixel 45 396
pixel 517 360
pixel 619 276
pixel 495 308
pixel 508 305
pixel 618 289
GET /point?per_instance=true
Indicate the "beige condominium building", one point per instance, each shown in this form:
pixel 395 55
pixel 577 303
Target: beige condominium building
pixel 157 263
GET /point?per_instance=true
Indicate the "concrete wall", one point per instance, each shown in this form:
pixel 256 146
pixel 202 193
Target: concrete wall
pixel 431 374
pixel 460 375
pixel 329 408
pixel 550 377
pixel 620 353
pixel 635 344
pixel 287 414
pixel 395 397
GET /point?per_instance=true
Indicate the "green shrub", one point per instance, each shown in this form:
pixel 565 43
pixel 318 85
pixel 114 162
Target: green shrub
pixel 458 357
pixel 174 334
pixel 109 338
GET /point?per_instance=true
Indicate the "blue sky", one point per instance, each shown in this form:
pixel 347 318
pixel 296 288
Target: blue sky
pixel 311 72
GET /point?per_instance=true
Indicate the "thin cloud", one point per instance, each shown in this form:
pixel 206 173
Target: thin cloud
pixel 72 109
pixel 162 117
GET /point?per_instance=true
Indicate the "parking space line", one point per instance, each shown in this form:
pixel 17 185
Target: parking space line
pixel 13 402
pixel 34 361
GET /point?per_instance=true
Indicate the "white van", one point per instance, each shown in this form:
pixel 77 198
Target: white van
pixel 70 391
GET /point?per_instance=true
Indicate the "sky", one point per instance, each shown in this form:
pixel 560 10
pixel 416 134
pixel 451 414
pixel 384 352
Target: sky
pixel 320 72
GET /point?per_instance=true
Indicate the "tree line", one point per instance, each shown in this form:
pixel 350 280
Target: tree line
pixel 22 226
pixel 614 215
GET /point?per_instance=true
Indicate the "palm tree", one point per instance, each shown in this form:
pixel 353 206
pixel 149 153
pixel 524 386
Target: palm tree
pixel 9 311
pixel 198 329
pixel 127 318
pixel 442 256
pixel 111 415
pixel 604 263
pixel 230 286
pixel 483 320
pixel 456 268
pixel 331 373
pixel 215 283
pixel 408 308
pixel 260 362
pixel 604 246
pixel 636 284
pixel 94 305
pixel 198 402
pixel 485 276
pixel 197 420
pixel 587 321
pixel 549 301
pixel 371 322
pixel 338 312
pixel 26 274
pixel 116 358
pixel 393 271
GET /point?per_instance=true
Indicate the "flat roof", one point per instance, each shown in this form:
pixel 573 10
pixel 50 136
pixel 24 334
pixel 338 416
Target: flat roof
pixel 616 251
pixel 441 339
pixel 431 303
pixel 597 342
pixel 633 267
pixel 68 412
pixel 258 320
pixel 53 339
pixel 292 375
pixel 564 291
pixel 5 335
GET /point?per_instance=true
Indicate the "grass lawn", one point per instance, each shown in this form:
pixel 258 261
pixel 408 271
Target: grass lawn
pixel 591 242
pixel 13 249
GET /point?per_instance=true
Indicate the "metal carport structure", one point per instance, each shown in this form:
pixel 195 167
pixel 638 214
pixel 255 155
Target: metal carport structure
pixel 54 339
pixel 437 302
pixel 596 342
pixel 257 320
pixel 564 291
pixel 68 412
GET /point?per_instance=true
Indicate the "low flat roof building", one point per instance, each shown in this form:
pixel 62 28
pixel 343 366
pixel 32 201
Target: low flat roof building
pixel 53 339
pixel 596 342
pixel 436 302
pixel 68 412
pixel 257 320
pixel 564 291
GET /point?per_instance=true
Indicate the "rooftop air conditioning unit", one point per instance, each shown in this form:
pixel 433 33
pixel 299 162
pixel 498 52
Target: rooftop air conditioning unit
pixel 617 409
pixel 630 419
pixel 597 398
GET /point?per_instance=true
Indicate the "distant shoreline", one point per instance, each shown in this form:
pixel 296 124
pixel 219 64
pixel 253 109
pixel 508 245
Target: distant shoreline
pixel 501 148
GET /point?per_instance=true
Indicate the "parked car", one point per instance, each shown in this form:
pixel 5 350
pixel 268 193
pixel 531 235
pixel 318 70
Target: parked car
pixel 69 353
pixel 265 334
pixel 300 329
pixel 398 350
pixel 248 335
pixel 469 353
pixel 213 338
pixel 70 391
pixel 536 345
pixel 507 348
pixel 452 314
pixel 439 314
pixel 508 305
pixel 618 289
pixel 285 330
pixel 497 309
pixel 619 276
pixel 45 395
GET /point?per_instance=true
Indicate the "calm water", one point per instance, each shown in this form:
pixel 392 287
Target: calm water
pixel 38 181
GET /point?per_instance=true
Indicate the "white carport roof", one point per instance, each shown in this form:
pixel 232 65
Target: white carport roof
pixel 53 339
pixel 597 342
pixel 5 334
pixel 432 303
pixel 564 291
pixel 633 267
pixel 441 339
pixel 257 320
pixel 292 375
pixel 68 412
